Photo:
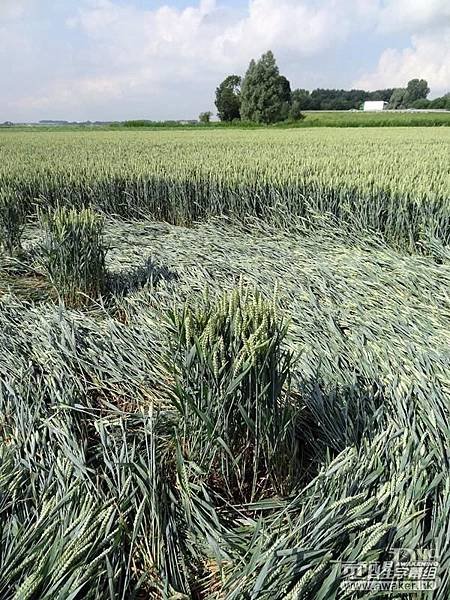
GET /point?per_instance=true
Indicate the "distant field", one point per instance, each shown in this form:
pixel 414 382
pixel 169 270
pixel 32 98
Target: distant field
pixel 312 119
pixel 393 181
pixel 326 119
pixel 382 119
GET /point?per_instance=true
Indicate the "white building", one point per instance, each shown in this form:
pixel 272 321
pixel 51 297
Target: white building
pixel 374 105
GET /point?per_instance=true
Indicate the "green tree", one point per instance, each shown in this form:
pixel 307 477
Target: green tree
pixel 446 103
pixel 228 98
pixel 417 89
pixel 420 103
pixel 285 96
pixel 441 103
pixel 265 94
pixel 302 99
pixel 205 117
pixel 295 112
pixel 249 84
pixel 398 98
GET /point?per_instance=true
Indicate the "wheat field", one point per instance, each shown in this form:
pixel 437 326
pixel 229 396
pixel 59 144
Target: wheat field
pixel 392 181
pixel 224 365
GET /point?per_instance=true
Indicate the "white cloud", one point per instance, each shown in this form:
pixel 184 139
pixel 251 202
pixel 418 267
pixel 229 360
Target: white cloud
pixel 112 59
pixel 428 58
pixel 286 25
pixel 13 39
pixel 207 33
pixel 134 51
pixel 413 15
pixel 428 54
pixel 11 10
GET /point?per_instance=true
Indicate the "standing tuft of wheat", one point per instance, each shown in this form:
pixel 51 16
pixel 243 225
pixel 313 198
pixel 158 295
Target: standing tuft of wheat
pixel 12 221
pixel 231 380
pixel 74 253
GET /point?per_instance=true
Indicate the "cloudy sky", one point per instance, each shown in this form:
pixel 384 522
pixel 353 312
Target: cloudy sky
pixel 161 59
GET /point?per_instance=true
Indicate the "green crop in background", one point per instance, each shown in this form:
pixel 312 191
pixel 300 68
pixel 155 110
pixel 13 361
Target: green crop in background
pixel 392 181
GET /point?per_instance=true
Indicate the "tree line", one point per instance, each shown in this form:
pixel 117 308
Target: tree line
pixel 263 95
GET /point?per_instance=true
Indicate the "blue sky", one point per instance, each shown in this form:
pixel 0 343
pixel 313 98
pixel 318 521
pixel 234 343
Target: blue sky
pixel 161 59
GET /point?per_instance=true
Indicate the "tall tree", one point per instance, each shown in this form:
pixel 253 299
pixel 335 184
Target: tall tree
pixel 384 95
pixel 285 96
pixel 398 98
pixel 417 89
pixel 265 94
pixel 228 98
pixel 301 100
pixel 285 89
